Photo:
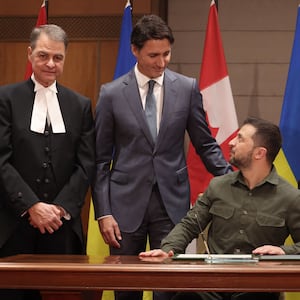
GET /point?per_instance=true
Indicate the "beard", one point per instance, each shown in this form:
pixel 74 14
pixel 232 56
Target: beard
pixel 242 161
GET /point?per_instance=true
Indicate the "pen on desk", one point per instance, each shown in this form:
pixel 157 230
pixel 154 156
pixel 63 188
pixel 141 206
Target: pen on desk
pixel 202 235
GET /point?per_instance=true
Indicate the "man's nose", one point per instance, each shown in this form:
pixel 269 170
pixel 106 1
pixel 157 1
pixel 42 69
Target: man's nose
pixel 232 142
pixel 161 61
pixel 50 62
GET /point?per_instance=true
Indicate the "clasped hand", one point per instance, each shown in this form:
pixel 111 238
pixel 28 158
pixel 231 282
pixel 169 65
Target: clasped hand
pixel 45 217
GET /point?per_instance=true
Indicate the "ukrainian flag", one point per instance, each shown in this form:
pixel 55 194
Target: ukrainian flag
pixel 289 121
pixel 287 162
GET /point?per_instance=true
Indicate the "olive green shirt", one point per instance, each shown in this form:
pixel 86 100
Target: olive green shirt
pixel 241 219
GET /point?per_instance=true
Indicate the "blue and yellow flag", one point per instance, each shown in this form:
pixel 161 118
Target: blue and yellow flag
pixel 287 161
pixel 126 59
pixel 289 120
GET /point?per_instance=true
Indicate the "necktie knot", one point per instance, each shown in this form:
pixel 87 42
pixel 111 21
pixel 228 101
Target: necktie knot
pixel 151 84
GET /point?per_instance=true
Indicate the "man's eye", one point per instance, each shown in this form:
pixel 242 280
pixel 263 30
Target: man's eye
pixel 42 56
pixel 58 58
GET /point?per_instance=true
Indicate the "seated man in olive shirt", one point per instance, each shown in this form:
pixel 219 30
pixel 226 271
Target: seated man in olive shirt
pixel 252 210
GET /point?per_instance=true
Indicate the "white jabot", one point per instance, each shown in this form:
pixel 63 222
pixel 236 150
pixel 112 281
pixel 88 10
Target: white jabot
pixel 46 105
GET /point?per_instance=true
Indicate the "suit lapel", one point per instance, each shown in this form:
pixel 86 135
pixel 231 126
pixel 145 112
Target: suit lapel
pixel 64 105
pixel 57 139
pixel 132 96
pixel 169 99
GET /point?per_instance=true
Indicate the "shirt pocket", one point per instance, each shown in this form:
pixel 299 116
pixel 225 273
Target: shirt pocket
pixel 222 222
pixel 271 229
pixel 222 211
pixel 269 221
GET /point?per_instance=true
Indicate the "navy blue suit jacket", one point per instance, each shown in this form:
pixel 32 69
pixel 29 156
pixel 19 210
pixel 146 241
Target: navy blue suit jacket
pixel 123 136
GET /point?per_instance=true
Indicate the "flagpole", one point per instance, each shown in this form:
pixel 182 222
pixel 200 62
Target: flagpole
pixel 47 8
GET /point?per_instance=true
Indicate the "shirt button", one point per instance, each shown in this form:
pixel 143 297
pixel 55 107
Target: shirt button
pixel 241 231
pixel 45 195
pixel 245 212
pixel 45 165
pixel 250 194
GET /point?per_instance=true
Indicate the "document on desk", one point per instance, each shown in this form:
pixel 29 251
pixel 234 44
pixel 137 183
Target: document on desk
pixel 279 257
pixel 231 258
pixel 218 258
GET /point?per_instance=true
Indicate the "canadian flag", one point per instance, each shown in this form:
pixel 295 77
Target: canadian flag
pixel 218 102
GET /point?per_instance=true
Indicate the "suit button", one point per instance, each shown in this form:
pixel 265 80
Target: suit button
pixel 46 133
pixel 45 165
pixel 47 180
pixel 20 194
pixel 38 180
pixel 45 195
pixel 47 149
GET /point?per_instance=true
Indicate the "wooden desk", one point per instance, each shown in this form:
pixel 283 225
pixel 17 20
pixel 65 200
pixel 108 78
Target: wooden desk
pixel 84 273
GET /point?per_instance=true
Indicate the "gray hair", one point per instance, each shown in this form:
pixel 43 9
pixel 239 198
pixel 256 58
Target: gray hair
pixel 54 32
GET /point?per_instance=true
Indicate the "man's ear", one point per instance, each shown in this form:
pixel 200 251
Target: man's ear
pixel 29 53
pixel 260 152
pixel 134 50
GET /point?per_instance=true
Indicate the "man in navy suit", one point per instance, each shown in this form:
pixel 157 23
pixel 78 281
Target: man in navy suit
pixel 47 157
pixel 141 188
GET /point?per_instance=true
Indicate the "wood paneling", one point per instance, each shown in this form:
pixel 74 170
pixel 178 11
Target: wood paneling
pixel 71 8
pixel 80 71
pixel 107 60
pixel 13 59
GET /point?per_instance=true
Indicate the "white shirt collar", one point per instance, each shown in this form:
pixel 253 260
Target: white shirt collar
pixel 142 79
pixel 38 86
